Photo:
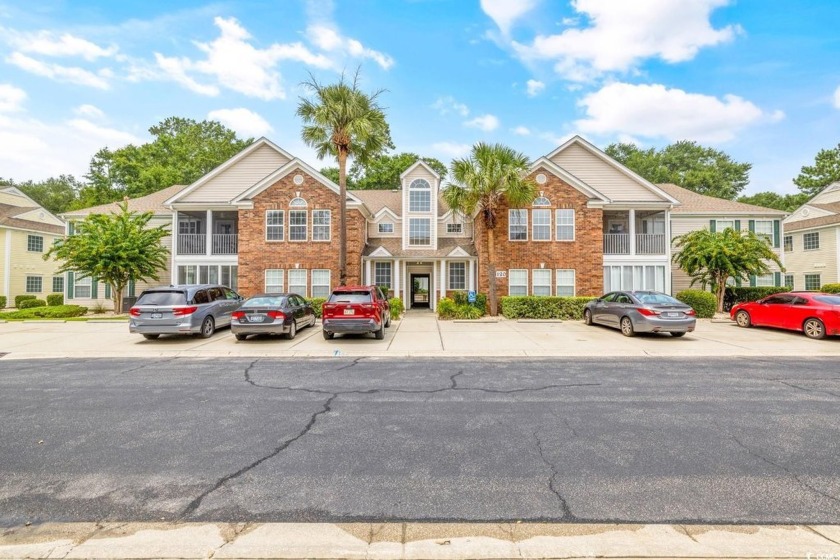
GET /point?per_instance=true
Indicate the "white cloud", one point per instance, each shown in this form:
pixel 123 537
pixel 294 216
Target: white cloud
pixel 654 111
pixel 452 149
pixel 486 123
pixel 535 87
pixel 622 34
pixel 71 74
pixel 48 44
pixel 11 98
pixel 521 131
pixel 243 121
pixel 89 111
pixel 176 70
pixel 506 12
pixel 447 105
pixel 327 38
pixel 556 140
pixel 837 97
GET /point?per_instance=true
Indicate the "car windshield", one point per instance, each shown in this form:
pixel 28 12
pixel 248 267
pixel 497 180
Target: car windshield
pixel 162 298
pixel 265 302
pixel 657 299
pixel 830 300
pixel 356 296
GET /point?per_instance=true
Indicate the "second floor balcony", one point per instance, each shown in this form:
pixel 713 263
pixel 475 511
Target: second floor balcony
pixel 193 239
pixel 646 244
pixel 196 244
pixel 636 232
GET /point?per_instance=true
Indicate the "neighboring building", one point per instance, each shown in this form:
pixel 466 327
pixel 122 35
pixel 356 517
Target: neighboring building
pixel 27 231
pixel 812 239
pixel 697 211
pixel 85 291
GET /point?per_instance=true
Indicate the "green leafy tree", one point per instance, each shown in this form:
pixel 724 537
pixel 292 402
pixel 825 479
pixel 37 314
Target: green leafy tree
pixel 331 173
pixel 115 248
pixel 687 164
pixel 344 122
pixel 712 258
pixel 826 170
pixel 487 182
pixel 56 194
pixel 383 172
pixel 769 199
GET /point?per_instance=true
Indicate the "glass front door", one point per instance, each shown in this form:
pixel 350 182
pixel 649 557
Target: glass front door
pixel 420 290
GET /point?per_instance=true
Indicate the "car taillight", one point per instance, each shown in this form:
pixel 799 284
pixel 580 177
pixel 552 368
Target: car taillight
pixel 648 312
pixel 134 312
pixel 691 313
pixel 368 306
pixel 237 314
pixel 276 314
pixel 185 310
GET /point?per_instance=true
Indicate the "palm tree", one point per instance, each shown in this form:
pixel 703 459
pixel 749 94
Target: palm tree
pixel 491 179
pixel 342 121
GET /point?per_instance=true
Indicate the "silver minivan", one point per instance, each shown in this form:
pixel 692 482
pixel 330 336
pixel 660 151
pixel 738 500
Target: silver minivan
pixel 185 309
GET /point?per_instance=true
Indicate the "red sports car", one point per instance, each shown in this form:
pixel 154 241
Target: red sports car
pixel 813 313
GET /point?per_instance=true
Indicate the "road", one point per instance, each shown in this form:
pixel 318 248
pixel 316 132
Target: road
pixel 566 440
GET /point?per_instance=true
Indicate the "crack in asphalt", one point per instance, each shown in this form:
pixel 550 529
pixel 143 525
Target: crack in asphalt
pixel 807 389
pixel 354 364
pixel 567 513
pixel 196 503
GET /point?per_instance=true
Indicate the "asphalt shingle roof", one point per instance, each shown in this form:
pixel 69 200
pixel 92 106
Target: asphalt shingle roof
pixel 394 246
pixel 8 217
pixel 693 203
pixel 149 203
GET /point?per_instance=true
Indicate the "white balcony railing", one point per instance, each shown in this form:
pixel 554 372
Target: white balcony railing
pixel 650 243
pixel 225 243
pixel 192 243
pixel 616 243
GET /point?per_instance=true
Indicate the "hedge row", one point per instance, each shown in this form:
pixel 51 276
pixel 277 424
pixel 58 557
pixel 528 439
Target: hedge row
pixel 831 288
pixel 447 308
pixel 704 303
pixel 22 298
pixel 55 312
pixel 55 299
pixel 741 294
pixel 30 303
pixel 543 307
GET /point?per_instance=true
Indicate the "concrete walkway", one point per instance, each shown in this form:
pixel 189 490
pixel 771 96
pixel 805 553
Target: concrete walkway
pixel 416 541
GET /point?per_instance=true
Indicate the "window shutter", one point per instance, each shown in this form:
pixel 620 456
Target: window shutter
pixel 131 288
pixel 738 282
pixel 712 225
pixel 737 225
pixel 71 228
pixel 71 281
pixel 777 279
pixel 94 288
pixel 107 291
pixel 752 226
pixel 752 279
pixel 776 234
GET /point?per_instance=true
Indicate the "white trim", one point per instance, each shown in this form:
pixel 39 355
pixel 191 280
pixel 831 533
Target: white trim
pixel 379 228
pixel 396 265
pixel 381 252
pixel 557 225
pixel 568 178
pixel 226 165
pixel 510 211
pixel 534 276
pixel 458 252
pixel 282 279
pixel 294 164
pixel 417 163
pixel 7 267
pixel 557 281
pixel 281 226
pixel 328 225
pixel 385 210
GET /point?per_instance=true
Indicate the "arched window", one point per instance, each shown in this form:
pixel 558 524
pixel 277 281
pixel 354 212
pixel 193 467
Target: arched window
pixel 297 203
pixel 419 196
pixel 542 201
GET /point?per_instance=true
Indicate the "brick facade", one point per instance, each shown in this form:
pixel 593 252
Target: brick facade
pixel 585 254
pixel 256 254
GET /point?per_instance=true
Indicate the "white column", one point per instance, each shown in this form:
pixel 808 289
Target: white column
pixel 173 269
pixel 396 279
pixel 7 269
pixel 632 219
pixel 443 278
pixel 368 278
pixel 209 235
pixel 668 274
pixel 471 277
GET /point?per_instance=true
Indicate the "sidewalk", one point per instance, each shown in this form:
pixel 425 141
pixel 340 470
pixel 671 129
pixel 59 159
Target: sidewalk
pixel 416 541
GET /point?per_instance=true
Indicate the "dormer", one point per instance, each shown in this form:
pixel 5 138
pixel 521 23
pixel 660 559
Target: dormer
pixel 420 185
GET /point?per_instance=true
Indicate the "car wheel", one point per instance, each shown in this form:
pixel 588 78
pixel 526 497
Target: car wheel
pixel 150 336
pixel 814 328
pixel 380 334
pixel 388 322
pixel 328 335
pixel 240 336
pixel 677 334
pixel 627 327
pixel 292 331
pixel 587 317
pixel 743 319
pixel 208 327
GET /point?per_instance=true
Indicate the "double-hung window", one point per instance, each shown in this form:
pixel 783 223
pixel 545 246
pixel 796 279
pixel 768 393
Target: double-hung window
pixel 386 227
pixel 419 196
pixel 82 287
pixel 541 225
pixel 419 231
pixel 297 225
pixel 58 284
pixel 321 283
pixel 274 280
pixel 721 225
pixel 565 282
pixel 321 226
pixel 382 274
pixel 812 282
pixel 764 228
pixel 35 243
pixel 765 280
pixel 788 243
pixel 811 241
pixel 518 224
pixel 453 228
pixel 518 282
pixel 565 221
pixel 789 281
pixel 274 225
pixel 457 276
pixel 34 284
pixel 297 280
pixel 541 279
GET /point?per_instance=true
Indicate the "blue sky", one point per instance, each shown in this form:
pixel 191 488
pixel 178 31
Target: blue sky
pixel 759 79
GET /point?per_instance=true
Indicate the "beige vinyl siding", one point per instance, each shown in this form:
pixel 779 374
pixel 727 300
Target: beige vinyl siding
pixel 27 263
pixel 602 176
pixel 828 197
pixel 13 199
pixel 239 177
pixel 466 227
pixel 420 172
pixel 373 227
pixel 812 212
pixel 3 233
pixel 822 261
pixel 39 215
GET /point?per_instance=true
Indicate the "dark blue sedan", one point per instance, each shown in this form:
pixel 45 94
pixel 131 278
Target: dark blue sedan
pixel 272 314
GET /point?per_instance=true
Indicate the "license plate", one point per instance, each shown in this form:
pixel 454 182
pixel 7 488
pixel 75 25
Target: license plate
pixel 157 315
pixel 256 318
pixel 349 312
pixel 672 314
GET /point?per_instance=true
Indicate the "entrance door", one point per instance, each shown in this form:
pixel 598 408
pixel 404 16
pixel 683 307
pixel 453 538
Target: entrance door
pixel 420 290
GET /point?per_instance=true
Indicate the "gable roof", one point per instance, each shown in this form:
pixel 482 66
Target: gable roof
pixel 696 203
pixel 295 163
pixel 256 145
pixel 600 154
pixel 377 246
pixel 424 164
pixel 568 178
pixel 813 223
pixel 378 199
pixel 8 217
pixel 150 203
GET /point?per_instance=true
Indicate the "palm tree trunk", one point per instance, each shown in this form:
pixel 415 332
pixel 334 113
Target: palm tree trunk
pixel 491 273
pixel 342 229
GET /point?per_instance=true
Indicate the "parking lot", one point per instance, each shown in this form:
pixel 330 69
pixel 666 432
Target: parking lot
pixel 416 334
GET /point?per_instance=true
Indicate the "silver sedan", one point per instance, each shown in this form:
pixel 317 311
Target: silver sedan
pixel 641 311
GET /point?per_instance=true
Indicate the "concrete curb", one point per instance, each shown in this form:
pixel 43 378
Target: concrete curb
pixel 414 541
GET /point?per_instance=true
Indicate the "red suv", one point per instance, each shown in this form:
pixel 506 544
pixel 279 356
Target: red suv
pixel 356 309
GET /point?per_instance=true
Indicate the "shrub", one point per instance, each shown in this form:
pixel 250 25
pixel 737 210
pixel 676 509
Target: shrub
pixel 55 299
pixel 831 288
pixel 30 303
pixel 397 307
pixel 736 294
pixel 461 298
pixel 2 302
pixel 543 307
pixel 55 312
pixel 449 309
pixel 704 303
pixel 24 297
pixel 317 302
